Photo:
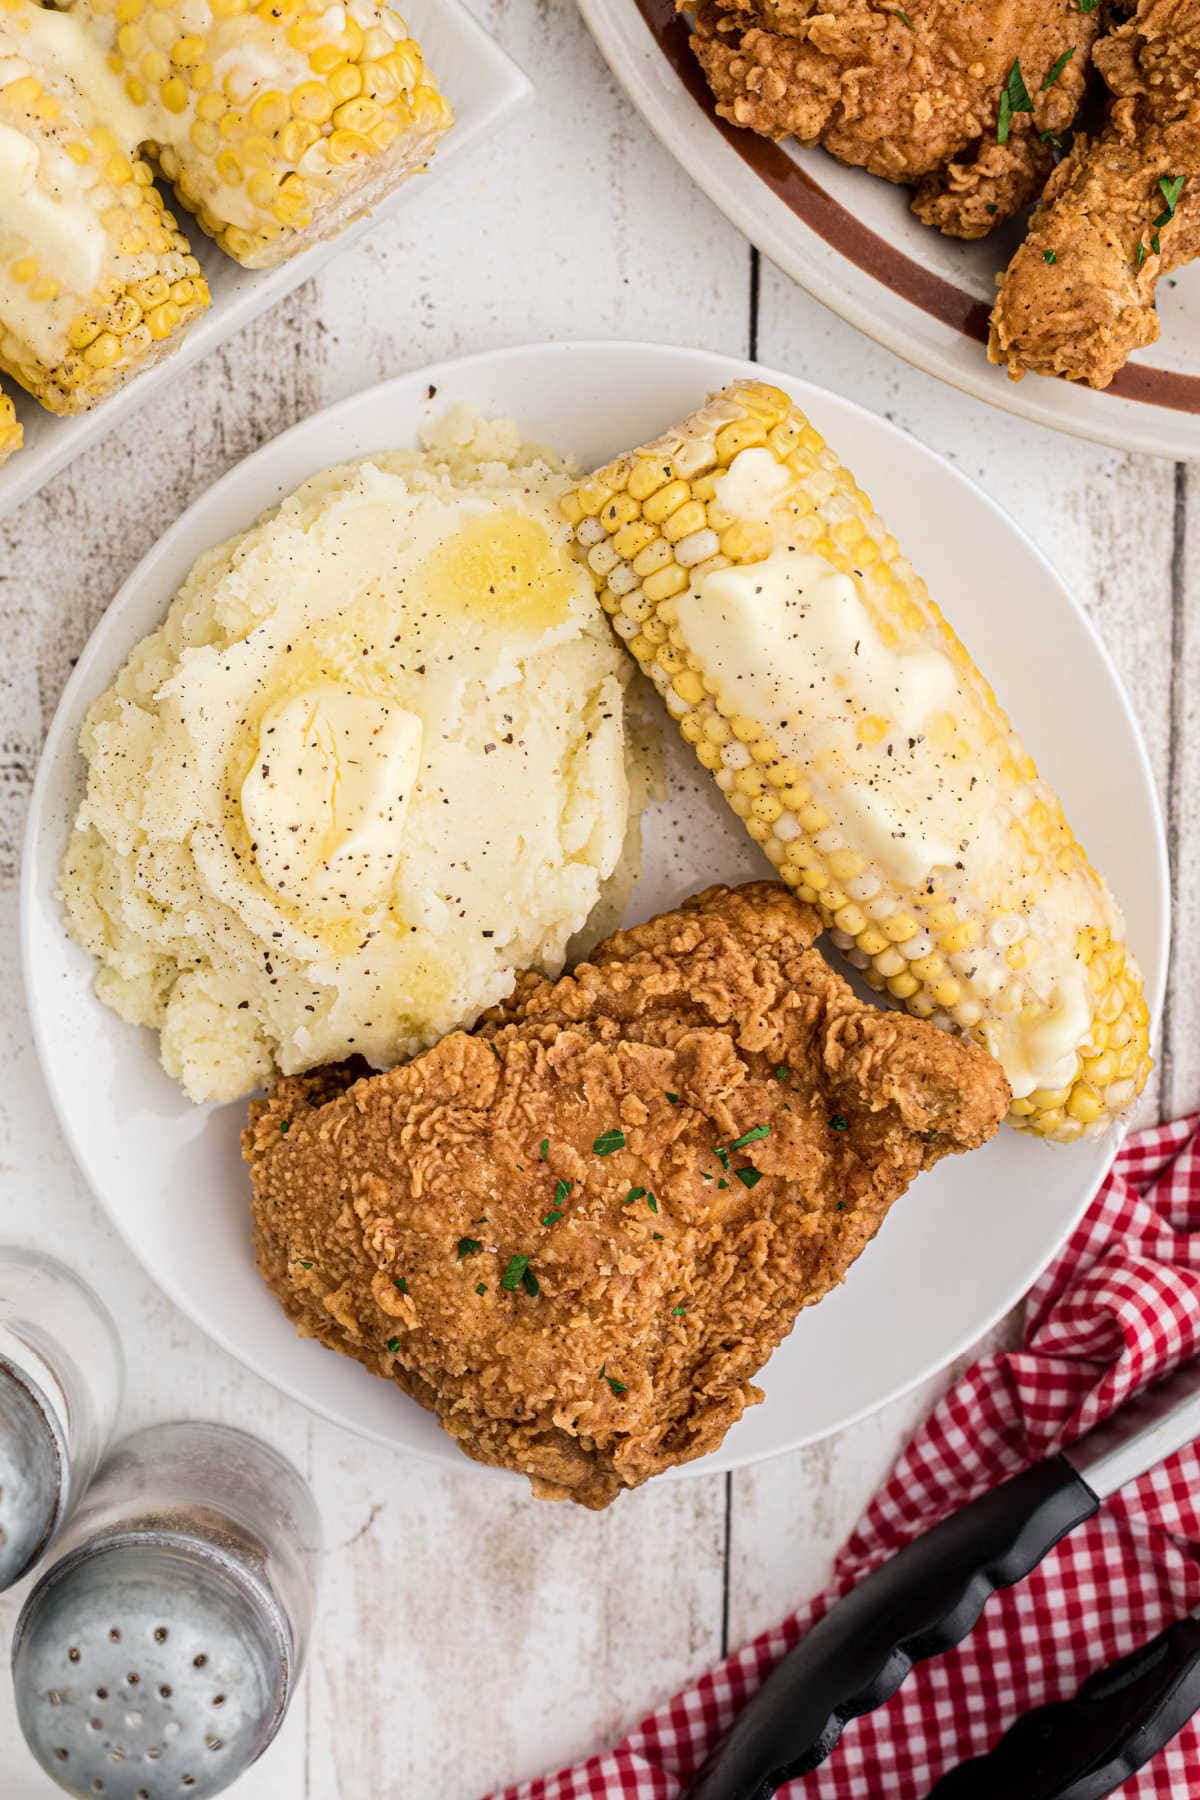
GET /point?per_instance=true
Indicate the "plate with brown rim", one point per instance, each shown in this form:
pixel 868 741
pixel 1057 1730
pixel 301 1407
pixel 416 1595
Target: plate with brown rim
pixel 851 241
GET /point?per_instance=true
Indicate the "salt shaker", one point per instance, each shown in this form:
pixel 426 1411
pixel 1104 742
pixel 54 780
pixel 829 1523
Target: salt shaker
pixel 158 1653
pixel 60 1386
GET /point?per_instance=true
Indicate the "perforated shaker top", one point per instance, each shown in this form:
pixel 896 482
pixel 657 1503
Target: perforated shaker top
pixel 145 1672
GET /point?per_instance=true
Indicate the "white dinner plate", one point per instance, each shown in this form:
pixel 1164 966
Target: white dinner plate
pixel 484 86
pixel 852 241
pixel 968 1239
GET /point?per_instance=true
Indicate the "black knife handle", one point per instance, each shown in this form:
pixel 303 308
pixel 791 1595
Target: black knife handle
pixel 1081 1749
pixel 922 1601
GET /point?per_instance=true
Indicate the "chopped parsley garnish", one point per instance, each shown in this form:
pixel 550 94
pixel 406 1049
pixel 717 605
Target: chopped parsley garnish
pixel 903 16
pixel 1088 6
pixel 468 1247
pixel 840 1207
pixel 635 1194
pixel 657 1236
pixel 748 1177
pixel 283 1129
pixel 481 1287
pixel 1141 255
pixel 782 1072
pixel 560 1194
pixel 393 1345
pixel 1058 68
pixel 515 1273
pixel 529 1282
pixel 673 1099
pixel 1156 245
pixel 305 1265
pixel 545 1149
pixel 652 1203
pixel 400 1284
pixel 722 1183
pixel 608 1141
pixel 494 1050
pixel 618 1387
pixel 1049 256
pixel 751 1137
pixel 838 1123
pixel 722 1156
pixel 1170 191
pixel 1014 98
pixel 677 1312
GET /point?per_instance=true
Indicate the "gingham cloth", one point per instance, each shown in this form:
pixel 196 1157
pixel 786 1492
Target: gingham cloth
pixel 1118 1307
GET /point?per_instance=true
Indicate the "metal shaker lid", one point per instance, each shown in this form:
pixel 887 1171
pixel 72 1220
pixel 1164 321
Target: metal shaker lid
pixel 148 1668
pixel 33 1473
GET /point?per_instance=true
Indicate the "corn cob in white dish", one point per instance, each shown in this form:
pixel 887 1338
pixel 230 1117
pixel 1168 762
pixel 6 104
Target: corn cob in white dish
pixel 11 434
pixel 277 123
pixel 851 732
pixel 96 280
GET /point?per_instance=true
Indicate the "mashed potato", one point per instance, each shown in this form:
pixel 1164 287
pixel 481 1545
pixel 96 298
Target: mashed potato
pixel 374 761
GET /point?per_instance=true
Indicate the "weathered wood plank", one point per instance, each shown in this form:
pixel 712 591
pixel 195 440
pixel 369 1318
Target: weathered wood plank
pixel 1182 1068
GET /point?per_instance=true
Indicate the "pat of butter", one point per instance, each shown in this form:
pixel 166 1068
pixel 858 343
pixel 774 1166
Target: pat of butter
pixel 792 645
pixel 18 162
pixel 753 487
pixel 324 803
pixel 1039 1051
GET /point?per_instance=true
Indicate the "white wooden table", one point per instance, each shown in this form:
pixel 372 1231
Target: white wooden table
pixel 469 1636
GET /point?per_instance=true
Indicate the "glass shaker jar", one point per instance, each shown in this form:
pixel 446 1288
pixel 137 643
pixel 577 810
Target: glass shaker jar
pixel 158 1654
pixel 61 1374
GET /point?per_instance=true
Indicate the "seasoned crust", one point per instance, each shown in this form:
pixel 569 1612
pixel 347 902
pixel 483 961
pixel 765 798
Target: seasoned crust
pixel 1078 297
pixel 912 94
pixel 673 1035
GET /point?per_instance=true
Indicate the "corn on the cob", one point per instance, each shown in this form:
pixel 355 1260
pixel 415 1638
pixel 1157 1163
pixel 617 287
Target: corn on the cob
pixel 96 281
pixel 11 434
pixel 851 732
pixel 278 122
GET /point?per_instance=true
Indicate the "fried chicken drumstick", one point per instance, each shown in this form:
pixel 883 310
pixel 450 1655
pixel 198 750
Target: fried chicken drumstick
pixel 913 94
pixel 577 1233
pixel 1120 212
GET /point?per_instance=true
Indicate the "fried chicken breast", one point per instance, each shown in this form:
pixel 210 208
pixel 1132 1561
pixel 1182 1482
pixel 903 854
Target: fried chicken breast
pixel 577 1233
pixel 1121 211
pixel 910 93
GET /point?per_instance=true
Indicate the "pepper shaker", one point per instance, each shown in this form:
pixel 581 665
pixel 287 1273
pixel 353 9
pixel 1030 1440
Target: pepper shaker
pixel 60 1386
pixel 158 1654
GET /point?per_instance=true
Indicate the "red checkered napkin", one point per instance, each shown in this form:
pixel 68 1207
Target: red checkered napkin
pixel 1118 1307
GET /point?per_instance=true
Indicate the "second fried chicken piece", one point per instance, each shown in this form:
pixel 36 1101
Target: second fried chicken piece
pixel 1120 212
pixel 578 1233
pixel 912 94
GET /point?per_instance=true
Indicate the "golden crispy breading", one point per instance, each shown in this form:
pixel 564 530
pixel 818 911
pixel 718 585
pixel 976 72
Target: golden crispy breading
pixel 1078 297
pixel 586 1318
pixel 910 93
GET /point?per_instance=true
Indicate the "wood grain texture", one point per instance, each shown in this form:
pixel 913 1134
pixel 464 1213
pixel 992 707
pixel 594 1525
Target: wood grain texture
pixel 469 1636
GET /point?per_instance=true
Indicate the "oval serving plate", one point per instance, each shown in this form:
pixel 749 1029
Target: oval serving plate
pixel 969 1238
pixel 852 242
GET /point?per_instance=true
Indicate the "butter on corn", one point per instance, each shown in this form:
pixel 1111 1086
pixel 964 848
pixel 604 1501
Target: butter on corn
pixel 277 123
pixel 11 434
pixel 850 731
pixel 96 280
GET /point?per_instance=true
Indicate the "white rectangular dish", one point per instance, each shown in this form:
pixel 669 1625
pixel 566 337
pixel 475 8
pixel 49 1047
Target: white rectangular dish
pixel 483 85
